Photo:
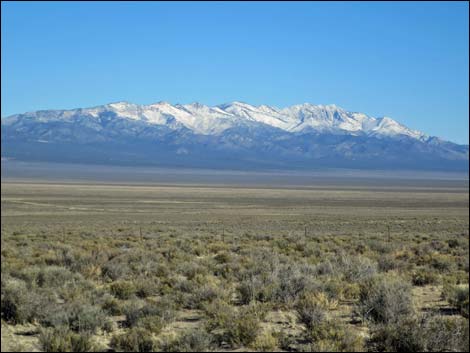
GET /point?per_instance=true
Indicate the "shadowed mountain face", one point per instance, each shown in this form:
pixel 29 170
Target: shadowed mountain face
pixel 235 135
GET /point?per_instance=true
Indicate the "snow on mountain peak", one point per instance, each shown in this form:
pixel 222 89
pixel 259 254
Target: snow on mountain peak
pixel 388 127
pixel 207 120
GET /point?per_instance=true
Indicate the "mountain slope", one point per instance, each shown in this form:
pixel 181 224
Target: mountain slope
pixel 233 135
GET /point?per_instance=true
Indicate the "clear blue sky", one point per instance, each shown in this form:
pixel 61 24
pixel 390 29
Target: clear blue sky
pixel 408 61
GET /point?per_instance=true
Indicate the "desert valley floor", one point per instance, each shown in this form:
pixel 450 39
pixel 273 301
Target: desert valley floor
pixel 228 265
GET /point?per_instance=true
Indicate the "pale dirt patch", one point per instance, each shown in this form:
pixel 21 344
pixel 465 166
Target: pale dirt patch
pixel 19 338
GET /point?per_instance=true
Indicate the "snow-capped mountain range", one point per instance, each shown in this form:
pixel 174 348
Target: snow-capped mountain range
pixel 230 135
pixel 205 120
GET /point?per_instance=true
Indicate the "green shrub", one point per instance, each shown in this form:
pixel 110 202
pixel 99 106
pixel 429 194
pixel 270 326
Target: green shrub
pixel 424 276
pixel 14 299
pixel 453 243
pixel 134 340
pixel 325 268
pixel 20 304
pixel 153 316
pixel 201 295
pixel 245 328
pixel 146 288
pixel 350 291
pixel 385 299
pixel 356 268
pixel 286 342
pixel 445 334
pixel 78 317
pixel 265 342
pixel 443 263
pixel 310 311
pixel 133 312
pixel 458 297
pixel 223 257
pixel 219 314
pixel 153 324
pixel 291 283
pixel 81 342
pixel 193 341
pixel 55 277
pixel 111 305
pixel 85 317
pixel 420 334
pixel 190 269
pixel 114 270
pixel 55 340
pixel 329 336
pixel 256 289
pixel 62 340
pixel 234 327
pixel 387 263
pixel 122 289
pixel 400 336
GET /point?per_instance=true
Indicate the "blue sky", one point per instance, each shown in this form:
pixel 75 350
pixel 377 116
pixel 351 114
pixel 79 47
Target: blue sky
pixel 408 61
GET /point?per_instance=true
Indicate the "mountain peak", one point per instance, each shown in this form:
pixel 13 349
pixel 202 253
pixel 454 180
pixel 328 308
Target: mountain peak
pixel 160 103
pixel 120 104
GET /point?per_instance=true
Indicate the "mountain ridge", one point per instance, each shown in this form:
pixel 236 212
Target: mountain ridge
pixel 302 135
pixel 292 118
